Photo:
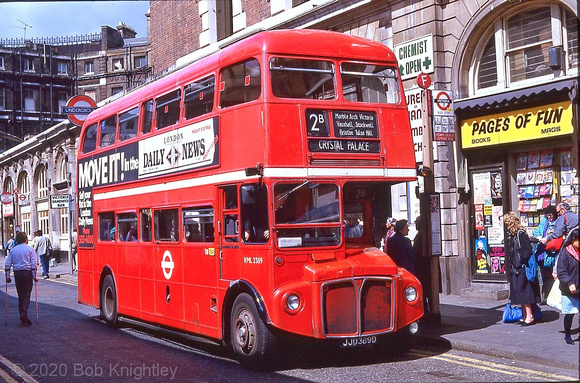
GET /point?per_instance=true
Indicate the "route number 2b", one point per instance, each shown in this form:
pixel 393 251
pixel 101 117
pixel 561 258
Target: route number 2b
pixel 317 123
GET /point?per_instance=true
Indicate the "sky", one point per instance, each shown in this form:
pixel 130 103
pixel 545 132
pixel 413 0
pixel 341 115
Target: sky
pixel 67 18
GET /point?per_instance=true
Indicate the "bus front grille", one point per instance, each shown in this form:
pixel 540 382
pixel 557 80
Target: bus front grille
pixel 356 307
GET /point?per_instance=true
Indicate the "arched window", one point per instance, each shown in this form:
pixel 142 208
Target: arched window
pixel 24 189
pixel 41 182
pixel 517 48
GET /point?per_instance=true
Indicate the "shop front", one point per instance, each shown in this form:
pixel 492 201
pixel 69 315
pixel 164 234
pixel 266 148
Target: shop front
pixel 522 153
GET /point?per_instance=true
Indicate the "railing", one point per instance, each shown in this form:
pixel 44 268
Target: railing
pixel 59 40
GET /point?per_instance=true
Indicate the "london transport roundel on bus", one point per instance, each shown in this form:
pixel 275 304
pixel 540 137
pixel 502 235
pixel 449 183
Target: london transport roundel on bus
pixel 78 107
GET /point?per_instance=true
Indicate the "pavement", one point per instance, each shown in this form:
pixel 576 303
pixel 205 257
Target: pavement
pixel 475 325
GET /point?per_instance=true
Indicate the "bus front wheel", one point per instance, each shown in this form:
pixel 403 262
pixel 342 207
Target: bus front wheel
pixel 109 301
pixel 251 340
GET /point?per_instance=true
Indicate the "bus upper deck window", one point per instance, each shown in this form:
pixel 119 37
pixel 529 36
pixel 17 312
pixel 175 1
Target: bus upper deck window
pixel 370 83
pixel 167 109
pixel 128 124
pixel 90 140
pixel 301 78
pixel 147 108
pixel 240 83
pixel 199 97
pixel 108 131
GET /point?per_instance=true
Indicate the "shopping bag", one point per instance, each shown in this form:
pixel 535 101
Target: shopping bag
pixel 511 313
pixel 555 296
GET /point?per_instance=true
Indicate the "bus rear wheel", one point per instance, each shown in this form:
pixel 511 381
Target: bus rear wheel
pixel 251 340
pixel 109 301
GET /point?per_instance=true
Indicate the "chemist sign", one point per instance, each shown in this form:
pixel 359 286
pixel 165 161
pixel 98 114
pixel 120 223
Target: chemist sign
pixel 78 107
pixel 415 56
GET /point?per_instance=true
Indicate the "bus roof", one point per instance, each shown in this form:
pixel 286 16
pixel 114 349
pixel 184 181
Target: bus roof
pixel 307 42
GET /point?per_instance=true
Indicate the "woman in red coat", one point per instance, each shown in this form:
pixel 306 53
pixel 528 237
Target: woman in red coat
pixel 567 266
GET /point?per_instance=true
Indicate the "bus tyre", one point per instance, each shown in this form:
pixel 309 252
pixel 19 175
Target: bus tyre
pixel 251 340
pixel 109 301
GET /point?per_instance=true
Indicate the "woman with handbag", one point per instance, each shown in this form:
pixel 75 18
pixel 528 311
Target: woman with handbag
pixel 568 266
pixel 522 291
pixel 546 257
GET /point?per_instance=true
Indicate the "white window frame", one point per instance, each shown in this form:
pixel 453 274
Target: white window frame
pixel 27 65
pixel 42 183
pixel 62 67
pixel 499 31
pixel 116 67
pixel 90 65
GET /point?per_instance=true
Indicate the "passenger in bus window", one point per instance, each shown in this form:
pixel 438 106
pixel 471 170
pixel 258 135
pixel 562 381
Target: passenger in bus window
pixel 255 214
pixel 353 228
pixel 131 234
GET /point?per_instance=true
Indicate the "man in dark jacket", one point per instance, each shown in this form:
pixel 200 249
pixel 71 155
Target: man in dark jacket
pixel 399 247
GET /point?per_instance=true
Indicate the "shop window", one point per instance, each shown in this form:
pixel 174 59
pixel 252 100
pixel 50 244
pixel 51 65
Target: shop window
pixel 528 37
pixel 43 221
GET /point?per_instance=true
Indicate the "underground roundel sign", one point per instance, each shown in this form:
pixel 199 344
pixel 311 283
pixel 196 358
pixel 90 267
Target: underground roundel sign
pixel 167 264
pixel 78 107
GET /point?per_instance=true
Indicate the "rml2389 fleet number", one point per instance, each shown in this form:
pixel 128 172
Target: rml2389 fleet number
pixel 254 260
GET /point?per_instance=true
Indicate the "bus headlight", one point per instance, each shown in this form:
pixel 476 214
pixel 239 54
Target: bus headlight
pixel 410 294
pixel 293 302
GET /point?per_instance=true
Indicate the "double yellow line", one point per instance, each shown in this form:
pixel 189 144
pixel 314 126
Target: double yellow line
pixel 493 367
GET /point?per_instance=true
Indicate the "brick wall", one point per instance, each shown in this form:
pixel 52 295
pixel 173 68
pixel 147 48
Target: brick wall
pixel 175 27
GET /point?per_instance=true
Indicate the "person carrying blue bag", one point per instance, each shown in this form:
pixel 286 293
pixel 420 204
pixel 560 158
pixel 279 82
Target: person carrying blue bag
pixel 546 258
pixel 524 290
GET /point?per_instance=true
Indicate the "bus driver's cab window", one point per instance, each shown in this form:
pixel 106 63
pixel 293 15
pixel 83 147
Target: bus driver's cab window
pixel 255 214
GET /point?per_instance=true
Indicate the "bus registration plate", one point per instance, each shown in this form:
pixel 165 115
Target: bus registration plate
pixel 362 341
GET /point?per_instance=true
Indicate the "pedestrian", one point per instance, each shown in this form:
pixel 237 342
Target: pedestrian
pixel 74 239
pixel 22 258
pixel 567 220
pixel 546 258
pixel 41 247
pixel 568 265
pixel 399 247
pixel 390 225
pixel 10 244
pixel 522 291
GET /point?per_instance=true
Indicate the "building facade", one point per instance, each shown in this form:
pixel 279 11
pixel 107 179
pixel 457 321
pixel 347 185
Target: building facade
pixel 37 142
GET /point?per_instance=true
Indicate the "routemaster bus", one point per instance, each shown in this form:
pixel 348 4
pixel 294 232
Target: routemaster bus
pixel 237 199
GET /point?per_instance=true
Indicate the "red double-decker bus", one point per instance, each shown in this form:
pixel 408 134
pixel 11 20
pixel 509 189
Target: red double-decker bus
pixel 235 199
